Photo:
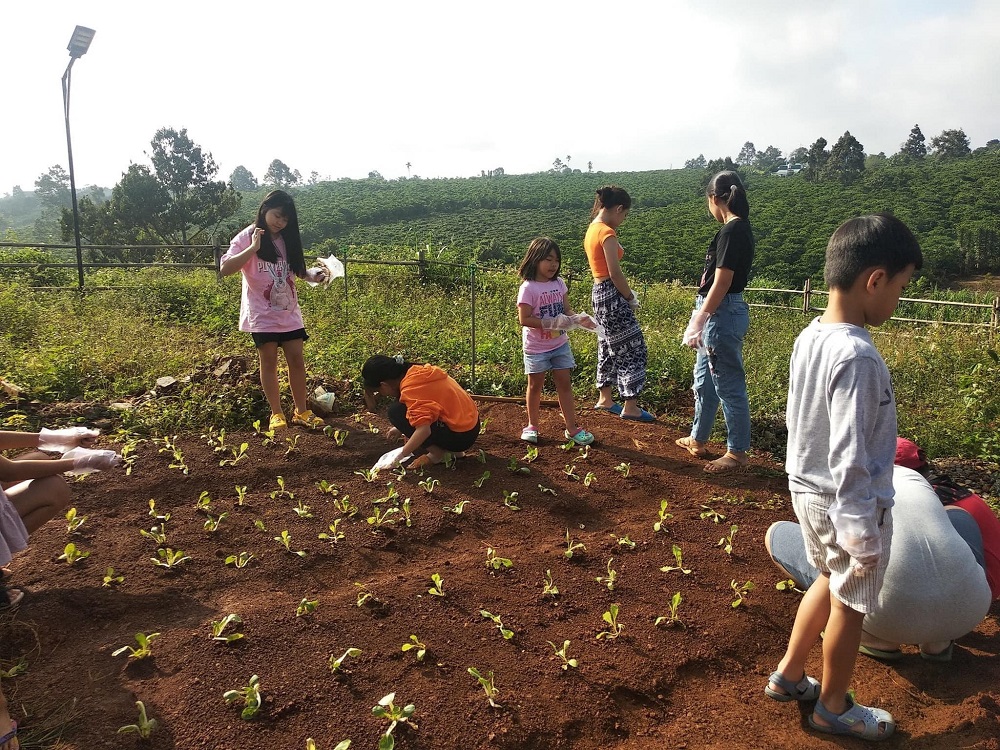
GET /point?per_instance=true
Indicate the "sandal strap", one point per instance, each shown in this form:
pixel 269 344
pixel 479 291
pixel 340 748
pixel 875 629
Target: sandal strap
pixel 870 718
pixel 806 689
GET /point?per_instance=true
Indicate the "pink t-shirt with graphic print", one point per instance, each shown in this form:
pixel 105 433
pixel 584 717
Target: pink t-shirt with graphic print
pixel 547 300
pixel 269 303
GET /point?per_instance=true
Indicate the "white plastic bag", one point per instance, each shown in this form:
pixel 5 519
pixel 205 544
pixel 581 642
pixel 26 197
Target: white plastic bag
pixel 87 460
pixel 391 458
pixel 334 270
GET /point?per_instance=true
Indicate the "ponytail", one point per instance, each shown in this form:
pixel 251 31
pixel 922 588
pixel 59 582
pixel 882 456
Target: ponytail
pixel 727 188
pixel 379 369
pixel 610 196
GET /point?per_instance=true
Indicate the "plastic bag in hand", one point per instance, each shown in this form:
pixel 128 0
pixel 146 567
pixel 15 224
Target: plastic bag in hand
pixel 634 302
pixel 586 322
pixel 694 334
pixel 858 535
pixel 86 460
pixel 391 458
pixel 64 439
pixel 333 269
pixel 558 323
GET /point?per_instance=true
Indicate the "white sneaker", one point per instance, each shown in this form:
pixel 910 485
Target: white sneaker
pixel 529 435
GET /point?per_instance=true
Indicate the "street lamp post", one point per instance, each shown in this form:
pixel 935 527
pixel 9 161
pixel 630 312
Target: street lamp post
pixel 79 43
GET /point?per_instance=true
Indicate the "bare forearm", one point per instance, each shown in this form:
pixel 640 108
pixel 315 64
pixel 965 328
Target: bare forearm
pixel 14 440
pixel 19 471
pixel 416 439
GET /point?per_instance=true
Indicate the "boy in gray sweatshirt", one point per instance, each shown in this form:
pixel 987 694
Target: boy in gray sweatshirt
pixel 841 418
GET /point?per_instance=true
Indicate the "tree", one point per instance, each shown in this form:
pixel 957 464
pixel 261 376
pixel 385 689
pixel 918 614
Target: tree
pixel 52 188
pixel 242 179
pixel 375 175
pixel 280 175
pixel 720 165
pixel 951 144
pixel 874 161
pixel 799 155
pixel 816 159
pixel 696 163
pixel 590 166
pixel 846 161
pixel 914 149
pixel 769 159
pixel 747 154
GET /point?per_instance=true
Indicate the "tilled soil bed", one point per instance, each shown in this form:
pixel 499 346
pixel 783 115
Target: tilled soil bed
pixel 695 685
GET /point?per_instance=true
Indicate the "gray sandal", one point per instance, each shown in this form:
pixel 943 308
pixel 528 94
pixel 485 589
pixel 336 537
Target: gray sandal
pixel 878 724
pixel 806 689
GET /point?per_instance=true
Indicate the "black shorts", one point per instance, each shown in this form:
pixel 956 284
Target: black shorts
pixel 259 339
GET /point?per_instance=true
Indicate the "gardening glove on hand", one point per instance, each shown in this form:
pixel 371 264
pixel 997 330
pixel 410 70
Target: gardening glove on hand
pixel 634 302
pixel 64 439
pixel 86 460
pixel 695 332
pixel 858 535
pixel 587 323
pixel 558 323
pixel 390 459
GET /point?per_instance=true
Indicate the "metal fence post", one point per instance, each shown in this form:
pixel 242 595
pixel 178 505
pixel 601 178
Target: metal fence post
pixel 472 298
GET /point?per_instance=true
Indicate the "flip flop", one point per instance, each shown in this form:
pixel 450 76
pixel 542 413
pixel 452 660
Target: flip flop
pixel 716 469
pixel 943 656
pixel 10 735
pixel 877 653
pixel 615 409
pixel 691 446
pixel 643 416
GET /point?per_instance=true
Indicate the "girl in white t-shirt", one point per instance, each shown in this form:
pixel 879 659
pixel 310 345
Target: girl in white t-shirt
pixel 269 255
pixel 544 314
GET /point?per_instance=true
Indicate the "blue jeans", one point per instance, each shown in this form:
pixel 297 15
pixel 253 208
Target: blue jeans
pixel 719 376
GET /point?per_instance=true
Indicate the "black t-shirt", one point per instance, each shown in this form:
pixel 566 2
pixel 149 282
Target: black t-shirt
pixel 731 248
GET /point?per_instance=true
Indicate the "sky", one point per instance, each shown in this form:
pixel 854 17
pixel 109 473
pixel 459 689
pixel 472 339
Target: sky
pixel 453 88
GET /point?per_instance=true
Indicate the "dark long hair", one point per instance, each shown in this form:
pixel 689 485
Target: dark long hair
pixel 379 368
pixel 727 188
pixel 538 251
pixel 282 201
pixel 610 196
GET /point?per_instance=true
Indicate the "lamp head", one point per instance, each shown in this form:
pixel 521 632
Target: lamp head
pixel 79 43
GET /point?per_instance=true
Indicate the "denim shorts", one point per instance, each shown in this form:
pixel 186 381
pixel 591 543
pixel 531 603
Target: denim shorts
pixel 560 358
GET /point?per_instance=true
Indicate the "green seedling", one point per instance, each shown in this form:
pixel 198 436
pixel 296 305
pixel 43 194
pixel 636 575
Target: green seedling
pixel 144 727
pixel 570 471
pixel 589 480
pixel 548 586
pixel 178 462
pixel 610 578
pixel 387 709
pixel 494 562
pixel 285 540
pixel 369 475
pixel 390 497
pixel 515 468
pixel 584 453
pixel 340 437
pixel 72 555
pixel 250 695
pixel 568 445
pixel 302 510
pixel 679 559
pixel 398 471
pixel 614 627
pixel 18 669
pixel 154 514
pixel 345 506
pixel 219 627
pixel 281 491
pixel 481 456
pixel 204 502
pixel 531 455
pixel 478 483
pixel 562 654
pixel 157 533
pixel 711 513
pixel 266 435
pixel 142 651
pixel 378 519
pixel 510 500
pixel 572 547
pixel 169 558
pixel 505 632
pixel 259 525
pixel 437 589
pixel 212 523
pixel 415 644
pixel 169 443
pixel 241 495
pixel 429 484
pixel 457 508
pixel 74 521
pixel 238 454
pixel 482 425
pixel 129 456
pixel 488 686
pixel 727 541
pixel 407 510
pixel 291 445
pixel 342 745
pixel 335 534
pixel 623 541
pixel 373 429
pixel 624 469
pixel 449 461
pixel 213 439
pixel 740 591
pixel 306 607
pixel 661 524
pixel 241 560
pixel 336 663
pixel 788 585
pixel 546 490
pixel 326 488
pixel 111 579
pixel 366 596
pixel 671 619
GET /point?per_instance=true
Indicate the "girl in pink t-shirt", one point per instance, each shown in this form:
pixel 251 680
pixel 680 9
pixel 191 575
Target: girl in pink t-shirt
pixel 269 255
pixel 544 313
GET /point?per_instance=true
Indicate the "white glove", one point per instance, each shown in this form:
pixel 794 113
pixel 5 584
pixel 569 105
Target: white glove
pixel 392 458
pixel 86 460
pixel 64 439
pixel 558 323
pixel 316 275
pixel 587 323
pixel 695 331
pixel 858 536
pixel 634 302
pixel 330 268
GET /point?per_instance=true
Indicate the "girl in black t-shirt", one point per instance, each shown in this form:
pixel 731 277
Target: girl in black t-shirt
pixel 718 325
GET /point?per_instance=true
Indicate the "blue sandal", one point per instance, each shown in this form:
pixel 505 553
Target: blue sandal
pixel 643 416
pixel 878 724
pixel 806 689
pixel 10 735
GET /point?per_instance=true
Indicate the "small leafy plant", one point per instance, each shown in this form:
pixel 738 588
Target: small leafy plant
pixel 73 521
pixel 366 596
pixel 369 475
pixel 562 653
pixel 496 563
pixel 154 514
pixel 488 685
pixel 71 554
pixel 457 508
pixel 380 518
pixel 740 591
pixel 336 663
pixel 614 627
pixel 291 445
pixel 623 541
pixel 281 491
pixel 302 510
pixel 590 479
pixel 111 579
pixel 510 500
pixel 178 462
pixel 387 709
pixel 241 495
pixel 144 727
pixel 572 547
pixel 437 587
pixel 250 695
pixel 326 488
pixel 787 585
pixel 169 558
pixel 671 619
pixel 335 534
pixel 204 502
pixel 142 651
pixel 219 627
pixel 428 484
pixel 679 559
pixel 157 533
pixel 727 541
pixel 610 578
pixel 531 455
pixel 505 632
pixel 584 453
pixel 478 483
pixel 710 513
pixel 345 506
pixel 548 586
pixel 546 490
pixel 570 472
pixel 340 437
pixel 415 643
pixel 213 523
pixel 515 468
pixel 238 454
pixel 407 510
pixel 285 540
pixel 661 524
pixel 624 469
pixel 306 607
